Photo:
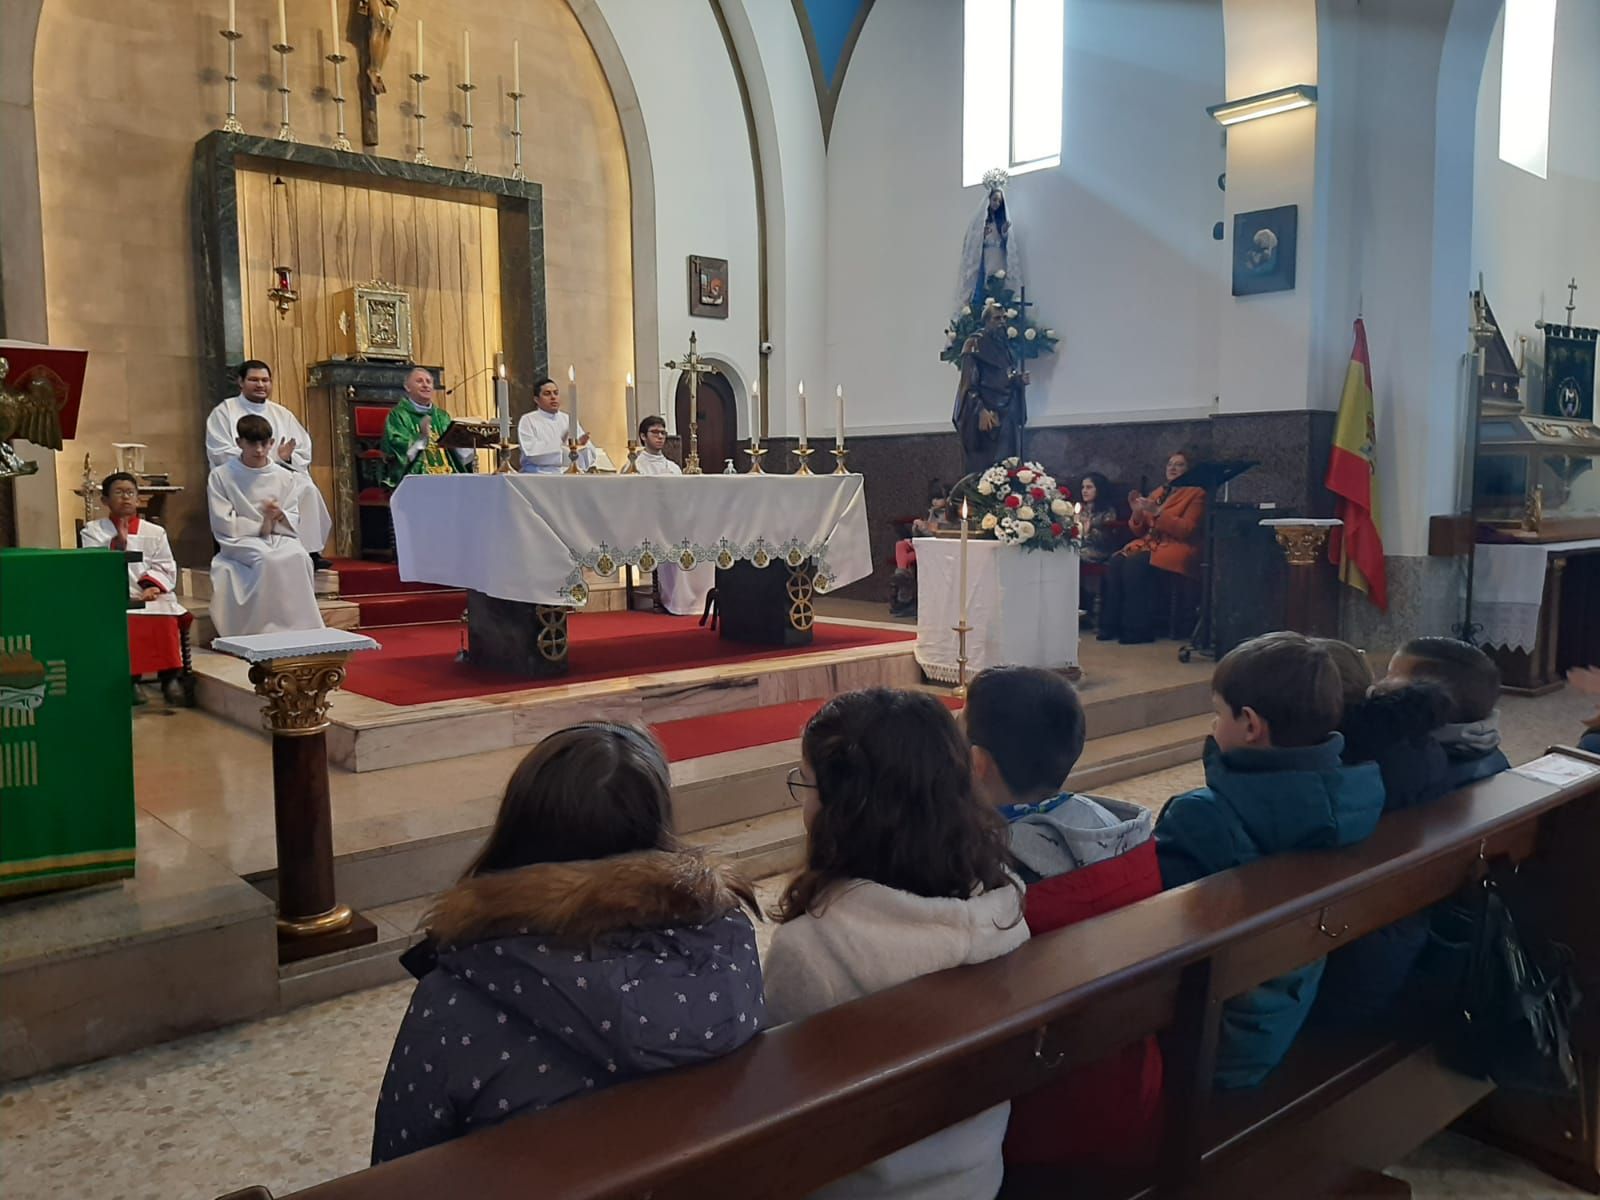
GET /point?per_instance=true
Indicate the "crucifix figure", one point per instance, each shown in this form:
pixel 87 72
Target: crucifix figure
pixel 694 367
pixel 1572 290
pixel 378 17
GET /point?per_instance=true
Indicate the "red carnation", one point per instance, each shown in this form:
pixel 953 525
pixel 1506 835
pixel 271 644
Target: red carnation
pixel 1037 493
pixel 1012 474
pixel 1065 491
pixel 1013 501
pixel 1055 528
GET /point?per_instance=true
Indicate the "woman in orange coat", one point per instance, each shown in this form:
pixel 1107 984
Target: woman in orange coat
pixel 1166 526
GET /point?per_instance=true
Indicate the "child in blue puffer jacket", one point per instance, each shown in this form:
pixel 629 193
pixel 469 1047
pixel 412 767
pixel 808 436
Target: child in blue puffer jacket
pixel 1274 783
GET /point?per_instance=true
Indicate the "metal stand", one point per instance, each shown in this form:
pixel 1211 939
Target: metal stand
pixel 757 452
pixel 285 133
pixel 466 89
pixel 572 458
pixel 961 632
pixel 421 156
pixel 804 454
pixel 340 141
pixel 840 454
pixel 516 134
pixel 231 124
pixel 631 467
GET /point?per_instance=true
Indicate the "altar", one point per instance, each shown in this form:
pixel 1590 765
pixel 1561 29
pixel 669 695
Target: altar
pixel 1022 606
pixel 521 544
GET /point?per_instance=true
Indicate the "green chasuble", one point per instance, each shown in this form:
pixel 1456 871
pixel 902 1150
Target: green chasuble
pixel 402 430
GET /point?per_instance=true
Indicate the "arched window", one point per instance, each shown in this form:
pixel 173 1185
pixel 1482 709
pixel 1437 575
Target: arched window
pixel 1526 54
pixel 1011 86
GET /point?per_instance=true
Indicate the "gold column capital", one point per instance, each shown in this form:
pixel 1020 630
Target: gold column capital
pixel 1302 544
pixel 296 691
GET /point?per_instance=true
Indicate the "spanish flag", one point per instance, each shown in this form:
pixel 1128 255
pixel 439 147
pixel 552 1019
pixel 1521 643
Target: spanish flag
pixel 1357 548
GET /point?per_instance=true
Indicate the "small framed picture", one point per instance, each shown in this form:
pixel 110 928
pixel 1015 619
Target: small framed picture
pixel 1264 250
pixel 708 286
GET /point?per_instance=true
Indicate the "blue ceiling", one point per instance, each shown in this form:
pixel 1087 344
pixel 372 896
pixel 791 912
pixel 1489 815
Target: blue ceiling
pixel 831 22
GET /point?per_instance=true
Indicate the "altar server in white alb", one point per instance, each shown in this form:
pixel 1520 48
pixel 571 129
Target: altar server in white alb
pixel 261 575
pixel 542 434
pixel 680 592
pixel 291 453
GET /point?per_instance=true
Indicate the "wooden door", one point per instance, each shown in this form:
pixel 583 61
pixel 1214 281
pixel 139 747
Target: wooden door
pixel 717 417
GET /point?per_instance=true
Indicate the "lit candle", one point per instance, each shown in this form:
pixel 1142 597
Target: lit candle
pixel 466 56
pixel 572 393
pixel 283 25
pixel 755 413
pixel 963 584
pixel 516 67
pixel 420 71
pixel 233 16
pixel 802 414
pixel 502 396
pixel 838 417
pixel 631 399
pixel 333 22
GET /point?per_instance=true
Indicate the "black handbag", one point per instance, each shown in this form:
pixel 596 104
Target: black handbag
pixel 1514 991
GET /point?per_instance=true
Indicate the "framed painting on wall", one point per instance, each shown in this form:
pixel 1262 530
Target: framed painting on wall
pixel 708 286
pixel 1264 250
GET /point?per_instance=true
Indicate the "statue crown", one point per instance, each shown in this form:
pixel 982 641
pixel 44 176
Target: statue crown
pixel 996 177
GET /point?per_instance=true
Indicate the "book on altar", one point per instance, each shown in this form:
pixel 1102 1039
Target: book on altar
pixel 470 435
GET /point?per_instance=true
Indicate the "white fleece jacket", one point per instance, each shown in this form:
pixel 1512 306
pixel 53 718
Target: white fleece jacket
pixel 868 937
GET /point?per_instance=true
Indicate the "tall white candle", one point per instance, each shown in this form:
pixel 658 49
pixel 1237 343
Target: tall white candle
pixel 466 56
pixel 631 400
pixel 572 396
pixel 963 584
pixel 420 71
pixel 516 66
pixel 333 22
pixel 233 15
pixel 669 406
pixel 755 412
pixel 283 25
pixel 802 414
pixel 502 397
pixel 838 416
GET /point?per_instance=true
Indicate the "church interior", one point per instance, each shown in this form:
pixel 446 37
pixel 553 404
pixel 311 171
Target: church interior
pixel 447 380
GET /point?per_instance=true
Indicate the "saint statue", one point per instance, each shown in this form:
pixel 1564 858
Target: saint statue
pixel 990 248
pixel 991 409
pixel 378 17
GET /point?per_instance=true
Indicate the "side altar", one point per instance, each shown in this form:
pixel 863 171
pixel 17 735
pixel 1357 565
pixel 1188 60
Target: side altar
pixel 520 545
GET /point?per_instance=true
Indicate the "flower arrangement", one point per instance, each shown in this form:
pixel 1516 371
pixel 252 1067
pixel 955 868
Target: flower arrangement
pixel 1029 340
pixel 1020 504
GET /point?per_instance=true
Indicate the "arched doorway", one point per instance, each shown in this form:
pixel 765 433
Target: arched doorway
pixel 717 418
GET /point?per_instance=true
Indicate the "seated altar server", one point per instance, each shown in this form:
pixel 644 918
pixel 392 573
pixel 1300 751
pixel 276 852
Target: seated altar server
pixel 292 451
pixel 543 434
pixel 680 592
pixel 411 435
pixel 260 577
pixel 155 643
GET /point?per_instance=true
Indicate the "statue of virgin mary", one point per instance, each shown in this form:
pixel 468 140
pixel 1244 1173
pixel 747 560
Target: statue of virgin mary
pixel 991 247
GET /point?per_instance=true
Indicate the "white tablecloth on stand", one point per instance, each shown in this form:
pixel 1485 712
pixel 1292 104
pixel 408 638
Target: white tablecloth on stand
pixel 530 537
pixel 1022 606
pixel 1508 588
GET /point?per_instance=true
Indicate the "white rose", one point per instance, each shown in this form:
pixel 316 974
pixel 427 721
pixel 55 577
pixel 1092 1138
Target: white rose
pixel 1025 513
pixel 985 488
pixel 999 274
pixel 1024 530
pixel 966 310
pixel 1011 331
pixel 990 521
pixel 1049 333
pixel 1030 334
pixel 1025 475
pixel 1011 314
pixel 1060 507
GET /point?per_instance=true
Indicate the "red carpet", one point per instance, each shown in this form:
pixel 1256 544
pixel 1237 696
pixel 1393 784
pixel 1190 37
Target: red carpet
pixel 695 737
pixel 386 601
pixel 417 663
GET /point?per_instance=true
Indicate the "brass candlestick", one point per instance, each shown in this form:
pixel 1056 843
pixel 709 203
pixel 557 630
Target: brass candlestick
pixel 803 453
pixel 231 123
pixel 757 452
pixel 572 458
pixel 466 89
pixel 421 156
pixel 961 632
pixel 283 49
pixel 502 458
pixel 631 467
pixel 516 134
pixel 840 454
pixel 340 141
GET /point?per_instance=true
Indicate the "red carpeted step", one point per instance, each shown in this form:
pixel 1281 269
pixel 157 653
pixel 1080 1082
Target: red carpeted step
pixel 410 608
pixel 358 577
pixel 718 733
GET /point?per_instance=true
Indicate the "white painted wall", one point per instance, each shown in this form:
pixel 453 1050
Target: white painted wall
pixel 1531 235
pixel 1120 257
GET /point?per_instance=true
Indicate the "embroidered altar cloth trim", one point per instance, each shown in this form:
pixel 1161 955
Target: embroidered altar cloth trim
pixel 530 537
pixel 1508 590
pixel 293 643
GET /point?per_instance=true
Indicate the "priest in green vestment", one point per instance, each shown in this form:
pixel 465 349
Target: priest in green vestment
pixel 411 435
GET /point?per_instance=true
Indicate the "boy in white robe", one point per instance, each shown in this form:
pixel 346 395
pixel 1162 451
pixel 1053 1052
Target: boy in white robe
pixel 261 575
pixel 292 451
pixel 155 629
pixel 542 434
pixel 680 592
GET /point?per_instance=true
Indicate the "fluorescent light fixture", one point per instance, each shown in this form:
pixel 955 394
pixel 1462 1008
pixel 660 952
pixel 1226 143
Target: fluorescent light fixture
pixel 1232 112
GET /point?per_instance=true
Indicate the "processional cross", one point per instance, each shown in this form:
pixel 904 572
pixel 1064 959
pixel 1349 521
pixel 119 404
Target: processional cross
pixel 1572 289
pixel 694 367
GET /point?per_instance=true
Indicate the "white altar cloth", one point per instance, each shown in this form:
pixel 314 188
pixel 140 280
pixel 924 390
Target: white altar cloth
pixel 1508 589
pixel 1022 606
pixel 530 537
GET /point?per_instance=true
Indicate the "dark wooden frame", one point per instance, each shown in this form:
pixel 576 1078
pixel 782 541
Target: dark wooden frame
pixel 697 307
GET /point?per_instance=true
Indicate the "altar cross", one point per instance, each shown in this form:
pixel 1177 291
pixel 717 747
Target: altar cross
pixel 1572 288
pixel 694 367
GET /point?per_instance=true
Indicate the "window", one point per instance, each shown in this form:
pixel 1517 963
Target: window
pixel 1011 86
pixel 1525 58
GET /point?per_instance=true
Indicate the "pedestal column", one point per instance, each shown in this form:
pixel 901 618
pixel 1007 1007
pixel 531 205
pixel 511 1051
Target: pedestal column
pixel 1304 543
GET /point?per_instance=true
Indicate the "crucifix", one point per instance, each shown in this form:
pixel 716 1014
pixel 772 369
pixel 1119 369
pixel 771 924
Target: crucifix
pixel 1572 288
pixel 693 366
pixel 372 44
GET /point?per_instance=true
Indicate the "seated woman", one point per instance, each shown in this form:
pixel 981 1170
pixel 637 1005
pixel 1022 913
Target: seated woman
pixel 583 947
pixel 1166 526
pixel 903 587
pixel 905 874
pixel 1103 534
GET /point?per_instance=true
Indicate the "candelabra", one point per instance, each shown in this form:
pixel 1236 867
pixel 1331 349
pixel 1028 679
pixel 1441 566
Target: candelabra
pixel 231 124
pixel 421 156
pixel 340 141
pixel 466 89
pixel 803 453
pixel 757 453
pixel 840 454
pixel 691 460
pixel 283 49
pixel 632 465
pixel 516 134
pixel 961 632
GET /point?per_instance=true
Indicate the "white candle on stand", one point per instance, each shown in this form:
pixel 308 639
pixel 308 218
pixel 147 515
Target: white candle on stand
pixel 333 22
pixel 233 16
pixel 802 414
pixel 420 71
pixel 963 584
pixel 755 412
pixel 283 25
pixel 466 56
pixel 669 407
pixel 838 417
pixel 502 397
pixel 631 400
pixel 572 390
pixel 516 67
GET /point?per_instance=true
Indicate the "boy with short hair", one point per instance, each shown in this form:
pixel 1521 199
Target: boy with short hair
pixel 1079 856
pixel 1274 783
pixel 1471 736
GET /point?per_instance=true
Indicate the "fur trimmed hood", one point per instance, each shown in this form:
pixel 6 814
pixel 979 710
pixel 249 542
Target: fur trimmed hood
pixel 582 901
pixel 1388 719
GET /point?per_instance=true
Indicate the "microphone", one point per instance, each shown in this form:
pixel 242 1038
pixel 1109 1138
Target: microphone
pixel 451 391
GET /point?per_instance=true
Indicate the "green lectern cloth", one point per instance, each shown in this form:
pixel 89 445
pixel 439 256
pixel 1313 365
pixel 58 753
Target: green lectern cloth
pixel 66 729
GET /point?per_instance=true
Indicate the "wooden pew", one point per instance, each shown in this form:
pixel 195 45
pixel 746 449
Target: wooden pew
pixel 807 1103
